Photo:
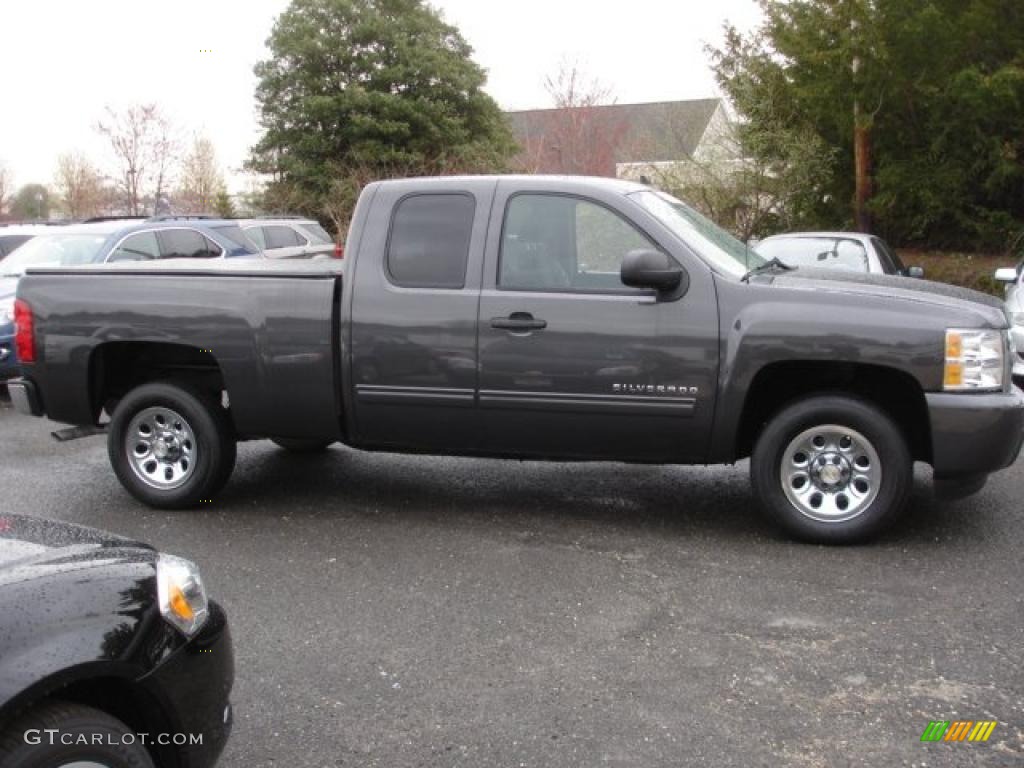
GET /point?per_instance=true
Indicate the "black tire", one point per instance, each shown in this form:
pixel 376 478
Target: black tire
pixel 78 721
pixel 295 445
pixel 883 436
pixel 215 448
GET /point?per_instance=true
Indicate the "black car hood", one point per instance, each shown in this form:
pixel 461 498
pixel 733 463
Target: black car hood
pixel 25 540
pixel 895 287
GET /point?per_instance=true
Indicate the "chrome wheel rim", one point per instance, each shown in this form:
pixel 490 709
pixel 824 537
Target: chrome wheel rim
pixel 161 448
pixel 830 473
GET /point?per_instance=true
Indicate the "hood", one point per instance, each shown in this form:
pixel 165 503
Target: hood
pixel 899 288
pixel 35 541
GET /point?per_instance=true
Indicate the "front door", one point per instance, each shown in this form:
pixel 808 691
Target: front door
pixel 574 364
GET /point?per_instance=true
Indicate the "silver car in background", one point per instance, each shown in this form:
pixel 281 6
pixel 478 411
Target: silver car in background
pixel 849 251
pixel 291 237
pixel 1014 279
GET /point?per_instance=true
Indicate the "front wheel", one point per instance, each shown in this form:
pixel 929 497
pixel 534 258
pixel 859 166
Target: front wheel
pixel 170 445
pixel 59 734
pixel 832 469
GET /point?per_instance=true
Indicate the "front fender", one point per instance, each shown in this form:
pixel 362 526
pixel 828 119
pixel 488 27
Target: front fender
pixel 763 325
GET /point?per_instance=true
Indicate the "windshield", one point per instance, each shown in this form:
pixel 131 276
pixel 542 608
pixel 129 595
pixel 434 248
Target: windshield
pixel 819 252
pixel 717 246
pixel 64 250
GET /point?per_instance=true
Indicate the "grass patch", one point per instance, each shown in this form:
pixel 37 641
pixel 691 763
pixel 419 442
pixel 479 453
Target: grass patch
pixel 970 270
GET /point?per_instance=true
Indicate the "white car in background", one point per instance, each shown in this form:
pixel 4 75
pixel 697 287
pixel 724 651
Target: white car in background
pixel 13 236
pixel 849 251
pixel 1014 279
pixel 291 237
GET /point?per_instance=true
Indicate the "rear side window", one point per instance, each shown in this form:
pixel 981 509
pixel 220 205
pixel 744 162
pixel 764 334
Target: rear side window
pixel 429 243
pixel 187 244
pixel 238 238
pixel 282 237
pixel 140 247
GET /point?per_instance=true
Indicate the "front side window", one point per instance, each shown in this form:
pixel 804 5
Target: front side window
pixel 186 244
pixel 429 243
pixel 560 243
pixel 138 247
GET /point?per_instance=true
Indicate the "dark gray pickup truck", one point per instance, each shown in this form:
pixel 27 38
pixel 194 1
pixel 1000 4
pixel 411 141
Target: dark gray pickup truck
pixel 533 317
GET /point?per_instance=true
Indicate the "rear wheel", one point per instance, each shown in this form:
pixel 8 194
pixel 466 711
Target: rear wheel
pixel 295 445
pixel 59 735
pixel 832 469
pixel 170 445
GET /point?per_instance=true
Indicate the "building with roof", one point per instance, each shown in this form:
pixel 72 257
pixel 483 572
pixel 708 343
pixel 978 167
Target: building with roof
pixel 624 140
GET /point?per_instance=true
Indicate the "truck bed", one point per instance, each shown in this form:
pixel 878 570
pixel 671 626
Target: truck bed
pixel 268 328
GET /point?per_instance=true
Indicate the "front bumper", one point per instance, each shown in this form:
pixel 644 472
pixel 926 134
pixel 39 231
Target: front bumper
pixel 975 434
pixel 195 683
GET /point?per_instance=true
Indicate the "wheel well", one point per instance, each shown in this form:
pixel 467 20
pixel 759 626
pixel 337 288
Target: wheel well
pixel 130 704
pixel 117 367
pixel 895 392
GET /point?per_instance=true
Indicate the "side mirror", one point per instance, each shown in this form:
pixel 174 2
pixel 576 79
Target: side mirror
pixel 917 272
pixel 1006 275
pixel 651 269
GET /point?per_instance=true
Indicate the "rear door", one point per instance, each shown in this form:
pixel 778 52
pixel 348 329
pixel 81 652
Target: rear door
pixel 574 364
pixel 414 287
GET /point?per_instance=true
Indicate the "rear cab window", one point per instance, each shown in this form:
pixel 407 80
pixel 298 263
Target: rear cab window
pixel 428 246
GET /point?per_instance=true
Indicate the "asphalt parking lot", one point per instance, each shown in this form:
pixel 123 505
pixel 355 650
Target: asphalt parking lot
pixel 415 611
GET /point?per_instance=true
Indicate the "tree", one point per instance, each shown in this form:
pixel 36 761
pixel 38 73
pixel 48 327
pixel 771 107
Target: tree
pixel 144 147
pixel 201 178
pixel 576 137
pixel 32 202
pixel 223 205
pixel 378 84
pixel 921 103
pixel 79 186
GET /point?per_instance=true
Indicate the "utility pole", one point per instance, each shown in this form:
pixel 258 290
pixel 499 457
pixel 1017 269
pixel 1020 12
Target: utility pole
pixel 862 125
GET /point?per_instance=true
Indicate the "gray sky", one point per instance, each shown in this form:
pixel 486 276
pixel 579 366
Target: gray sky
pixel 63 60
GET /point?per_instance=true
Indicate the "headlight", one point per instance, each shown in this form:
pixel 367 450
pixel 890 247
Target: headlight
pixel 975 360
pixel 7 311
pixel 181 594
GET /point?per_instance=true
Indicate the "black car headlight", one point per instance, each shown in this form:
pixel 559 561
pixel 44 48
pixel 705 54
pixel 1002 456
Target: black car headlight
pixel 181 594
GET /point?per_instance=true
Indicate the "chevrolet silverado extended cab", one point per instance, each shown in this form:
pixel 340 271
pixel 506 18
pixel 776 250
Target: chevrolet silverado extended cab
pixel 533 317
